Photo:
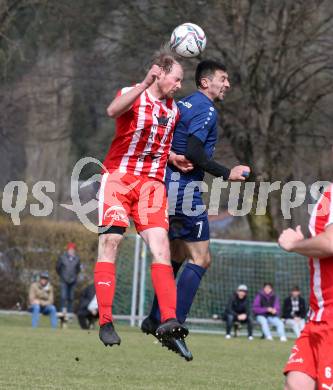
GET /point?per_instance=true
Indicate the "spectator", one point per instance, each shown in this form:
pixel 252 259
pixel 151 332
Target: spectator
pixel 294 311
pixel 68 268
pixel 266 307
pixel 238 310
pixel 88 309
pixel 41 300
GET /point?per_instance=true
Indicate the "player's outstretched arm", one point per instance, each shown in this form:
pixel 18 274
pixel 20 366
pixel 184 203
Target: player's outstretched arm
pixel 320 246
pixel 195 152
pixel 123 103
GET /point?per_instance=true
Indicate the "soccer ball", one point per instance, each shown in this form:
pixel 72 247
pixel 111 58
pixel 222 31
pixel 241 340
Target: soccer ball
pixel 188 40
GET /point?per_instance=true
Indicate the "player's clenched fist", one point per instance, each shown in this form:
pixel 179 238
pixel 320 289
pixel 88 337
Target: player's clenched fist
pixel 289 237
pixel 153 73
pixel 239 172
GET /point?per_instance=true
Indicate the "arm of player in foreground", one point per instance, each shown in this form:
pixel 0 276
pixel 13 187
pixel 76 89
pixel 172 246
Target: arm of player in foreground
pixel 320 246
pixel 123 103
pixel 195 152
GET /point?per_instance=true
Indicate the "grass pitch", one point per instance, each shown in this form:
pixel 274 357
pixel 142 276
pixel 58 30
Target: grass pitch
pixel 71 359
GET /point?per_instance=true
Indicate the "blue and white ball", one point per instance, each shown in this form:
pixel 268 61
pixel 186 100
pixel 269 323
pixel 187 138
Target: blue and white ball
pixel 188 40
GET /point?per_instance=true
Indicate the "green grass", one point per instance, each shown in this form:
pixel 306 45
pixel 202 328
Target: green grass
pixel 42 358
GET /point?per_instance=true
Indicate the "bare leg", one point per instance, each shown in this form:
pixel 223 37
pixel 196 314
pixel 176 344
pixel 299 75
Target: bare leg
pixel 108 247
pixel 296 380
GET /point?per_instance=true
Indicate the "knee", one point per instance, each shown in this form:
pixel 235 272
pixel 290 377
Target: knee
pixel 108 245
pixel 203 260
pixel 162 250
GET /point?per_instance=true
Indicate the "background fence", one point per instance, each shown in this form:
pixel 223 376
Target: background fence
pixel 234 263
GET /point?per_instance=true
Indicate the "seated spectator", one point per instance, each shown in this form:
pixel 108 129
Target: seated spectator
pixel 294 311
pixel 238 310
pixel 266 307
pixel 41 300
pixel 88 309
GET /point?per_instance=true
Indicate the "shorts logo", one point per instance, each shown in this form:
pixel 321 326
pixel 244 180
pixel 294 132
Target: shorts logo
pixel 116 214
pixel 291 360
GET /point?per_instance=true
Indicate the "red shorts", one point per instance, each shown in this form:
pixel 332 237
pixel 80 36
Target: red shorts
pixel 312 354
pixel 124 195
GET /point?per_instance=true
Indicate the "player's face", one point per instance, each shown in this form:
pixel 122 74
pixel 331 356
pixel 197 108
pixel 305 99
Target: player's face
pixel 170 83
pixel 218 85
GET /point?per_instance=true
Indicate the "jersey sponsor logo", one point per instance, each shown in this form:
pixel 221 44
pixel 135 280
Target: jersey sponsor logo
pixel 325 386
pixel 116 214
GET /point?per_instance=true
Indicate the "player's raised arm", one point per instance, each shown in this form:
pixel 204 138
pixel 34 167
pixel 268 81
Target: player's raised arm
pixel 123 103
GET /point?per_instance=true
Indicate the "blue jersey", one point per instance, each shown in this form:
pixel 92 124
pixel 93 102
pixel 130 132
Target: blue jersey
pixel 198 117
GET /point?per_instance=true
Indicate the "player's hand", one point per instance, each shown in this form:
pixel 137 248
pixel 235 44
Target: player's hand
pixel 239 173
pixel 153 73
pixel 289 237
pixel 241 317
pixel 180 162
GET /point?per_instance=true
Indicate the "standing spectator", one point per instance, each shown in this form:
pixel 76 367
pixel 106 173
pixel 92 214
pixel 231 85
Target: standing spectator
pixel 68 268
pixel 41 300
pixel 238 310
pixel 88 308
pixel 266 307
pixel 294 311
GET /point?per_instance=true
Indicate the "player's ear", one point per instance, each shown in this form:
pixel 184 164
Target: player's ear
pixel 204 83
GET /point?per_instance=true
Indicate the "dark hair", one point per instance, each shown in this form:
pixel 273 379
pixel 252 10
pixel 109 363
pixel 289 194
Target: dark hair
pixel 295 288
pixel 207 68
pixel 164 59
pixel 268 284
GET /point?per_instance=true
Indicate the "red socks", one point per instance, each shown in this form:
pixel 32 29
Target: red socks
pixel 105 286
pixel 163 282
pixel 165 288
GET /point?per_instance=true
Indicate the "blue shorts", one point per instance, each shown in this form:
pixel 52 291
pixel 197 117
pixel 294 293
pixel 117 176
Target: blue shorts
pixel 189 228
pixel 185 200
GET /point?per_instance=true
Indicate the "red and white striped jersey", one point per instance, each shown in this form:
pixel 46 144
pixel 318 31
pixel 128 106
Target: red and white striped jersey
pixel 321 270
pixel 143 136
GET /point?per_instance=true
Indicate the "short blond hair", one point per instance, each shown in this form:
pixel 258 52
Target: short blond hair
pixel 165 59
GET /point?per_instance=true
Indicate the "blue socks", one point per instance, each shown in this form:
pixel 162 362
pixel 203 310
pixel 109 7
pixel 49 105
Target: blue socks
pixel 187 287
